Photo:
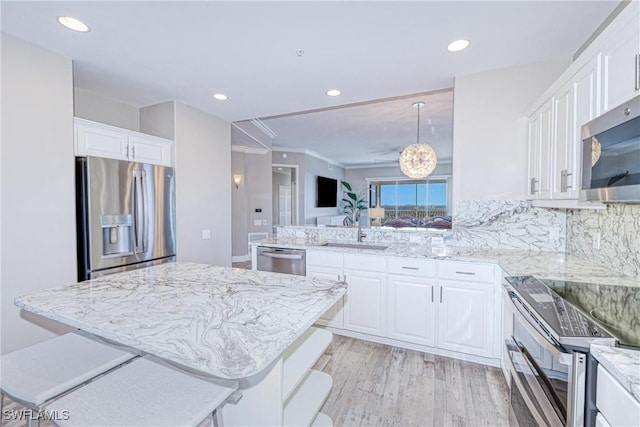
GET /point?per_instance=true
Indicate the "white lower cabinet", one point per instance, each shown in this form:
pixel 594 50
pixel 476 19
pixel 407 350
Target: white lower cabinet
pixel 365 302
pixel 328 265
pixel 334 316
pixel 466 317
pixel 447 305
pixel 411 312
pixel 616 405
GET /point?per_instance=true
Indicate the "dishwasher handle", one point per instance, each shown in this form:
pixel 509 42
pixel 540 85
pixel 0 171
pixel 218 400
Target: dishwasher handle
pixel 280 255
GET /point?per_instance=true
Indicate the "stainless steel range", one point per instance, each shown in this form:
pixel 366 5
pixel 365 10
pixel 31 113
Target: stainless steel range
pixel 548 349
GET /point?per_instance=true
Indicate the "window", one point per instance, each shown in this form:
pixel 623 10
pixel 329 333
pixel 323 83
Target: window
pixel 421 203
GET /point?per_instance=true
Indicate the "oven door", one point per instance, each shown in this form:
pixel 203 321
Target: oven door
pixel 547 378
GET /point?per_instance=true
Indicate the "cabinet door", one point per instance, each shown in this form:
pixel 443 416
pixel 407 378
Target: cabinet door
pixel 465 317
pixel 564 144
pixel 411 313
pixel 586 106
pixel 619 67
pixel 365 305
pixel 150 150
pixel 95 140
pixel 333 317
pixel 540 148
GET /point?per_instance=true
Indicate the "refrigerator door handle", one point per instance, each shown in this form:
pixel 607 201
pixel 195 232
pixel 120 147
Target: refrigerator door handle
pixel 138 219
pixel 144 200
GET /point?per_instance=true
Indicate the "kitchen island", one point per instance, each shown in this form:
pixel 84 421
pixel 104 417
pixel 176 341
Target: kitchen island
pixel 226 323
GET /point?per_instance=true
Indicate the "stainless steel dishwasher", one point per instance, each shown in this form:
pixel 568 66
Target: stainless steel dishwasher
pixel 280 260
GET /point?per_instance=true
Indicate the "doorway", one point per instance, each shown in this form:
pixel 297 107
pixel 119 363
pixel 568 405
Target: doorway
pixel 284 195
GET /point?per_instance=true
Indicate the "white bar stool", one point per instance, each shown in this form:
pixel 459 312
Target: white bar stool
pixel 34 375
pixel 144 392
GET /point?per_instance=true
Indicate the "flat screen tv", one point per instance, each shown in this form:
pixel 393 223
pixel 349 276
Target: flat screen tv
pixel 326 192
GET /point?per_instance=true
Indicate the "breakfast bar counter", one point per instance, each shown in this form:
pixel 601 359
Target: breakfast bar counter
pixel 224 322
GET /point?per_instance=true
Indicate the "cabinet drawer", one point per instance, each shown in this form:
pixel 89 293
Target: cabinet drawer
pixel 412 267
pixel 365 262
pixel 324 258
pixel 466 271
pixel 616 404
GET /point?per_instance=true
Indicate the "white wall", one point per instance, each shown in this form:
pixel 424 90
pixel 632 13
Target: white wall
pixel 91 106
pixel 38 191
pixel 203 189
pixel 490 130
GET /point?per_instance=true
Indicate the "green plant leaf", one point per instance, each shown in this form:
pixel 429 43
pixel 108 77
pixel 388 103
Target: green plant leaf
pixel 353 196
pixel 346 185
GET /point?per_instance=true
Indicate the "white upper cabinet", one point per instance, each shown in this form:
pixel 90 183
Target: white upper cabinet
pixel 604 76
pixel 620 66
pixel 100 140
pixel 540 147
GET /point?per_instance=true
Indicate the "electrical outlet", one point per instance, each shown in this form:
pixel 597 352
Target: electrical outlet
pixel 554 233
pixel 206 234
pixel 437 240
pixel 596 240
pixel 257 222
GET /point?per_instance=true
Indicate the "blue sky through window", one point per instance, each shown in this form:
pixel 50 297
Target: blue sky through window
pixel 408 194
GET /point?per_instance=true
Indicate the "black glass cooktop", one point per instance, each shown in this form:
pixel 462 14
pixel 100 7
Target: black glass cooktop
pixel 615 308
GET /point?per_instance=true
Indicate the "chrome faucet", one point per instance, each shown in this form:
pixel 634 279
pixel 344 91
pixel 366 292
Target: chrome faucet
pixel 361 235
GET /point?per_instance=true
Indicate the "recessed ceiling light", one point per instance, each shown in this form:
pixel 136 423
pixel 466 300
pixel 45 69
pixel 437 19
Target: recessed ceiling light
pixel 333 92
pixel 220 96
pixel 457 45
pixel 73 24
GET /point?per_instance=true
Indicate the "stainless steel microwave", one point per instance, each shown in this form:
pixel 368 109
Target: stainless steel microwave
pixel 611 155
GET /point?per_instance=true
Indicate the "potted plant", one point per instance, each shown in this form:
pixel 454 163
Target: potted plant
pixel 352 202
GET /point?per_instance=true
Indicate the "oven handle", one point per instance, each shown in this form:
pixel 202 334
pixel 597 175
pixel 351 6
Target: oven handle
pixel 540 337
pixel 531 391
pixel 541 374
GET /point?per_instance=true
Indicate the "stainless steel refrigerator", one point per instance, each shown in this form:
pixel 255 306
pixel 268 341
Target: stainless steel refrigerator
pixel 125 215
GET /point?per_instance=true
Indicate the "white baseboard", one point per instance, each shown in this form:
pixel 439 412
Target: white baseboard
pixel 241 258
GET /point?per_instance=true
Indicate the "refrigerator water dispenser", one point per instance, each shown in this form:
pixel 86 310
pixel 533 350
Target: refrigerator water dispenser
pixel 116 234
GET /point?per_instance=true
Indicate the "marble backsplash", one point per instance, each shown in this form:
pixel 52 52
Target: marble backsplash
pixel 619 229
pixel 494 224
pixel 508 224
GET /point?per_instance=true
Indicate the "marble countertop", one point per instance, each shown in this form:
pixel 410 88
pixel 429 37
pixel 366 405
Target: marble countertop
pixel 226 322
pixel 546 265
pixel 623 364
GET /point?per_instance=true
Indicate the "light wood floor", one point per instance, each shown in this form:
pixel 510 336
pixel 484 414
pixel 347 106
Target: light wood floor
pixel 245 264
pixel 379 385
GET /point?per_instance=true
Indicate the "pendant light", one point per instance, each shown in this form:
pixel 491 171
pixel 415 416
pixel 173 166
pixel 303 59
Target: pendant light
pixel 418 160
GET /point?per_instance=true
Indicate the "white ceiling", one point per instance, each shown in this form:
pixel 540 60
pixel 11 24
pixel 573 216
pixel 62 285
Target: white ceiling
pixel 147 52
pixel 370 133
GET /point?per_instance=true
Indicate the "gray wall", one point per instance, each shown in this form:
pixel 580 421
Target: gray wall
pixel 316 167
pixel 91 106
pixel 203 176
pixel 254 192
pixel 38 191
pixel 203 191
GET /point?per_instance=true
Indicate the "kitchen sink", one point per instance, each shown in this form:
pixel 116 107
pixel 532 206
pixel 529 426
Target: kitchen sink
pixel 356 246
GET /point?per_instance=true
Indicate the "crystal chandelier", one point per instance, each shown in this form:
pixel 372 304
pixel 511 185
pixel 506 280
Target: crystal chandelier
pixel 418 160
